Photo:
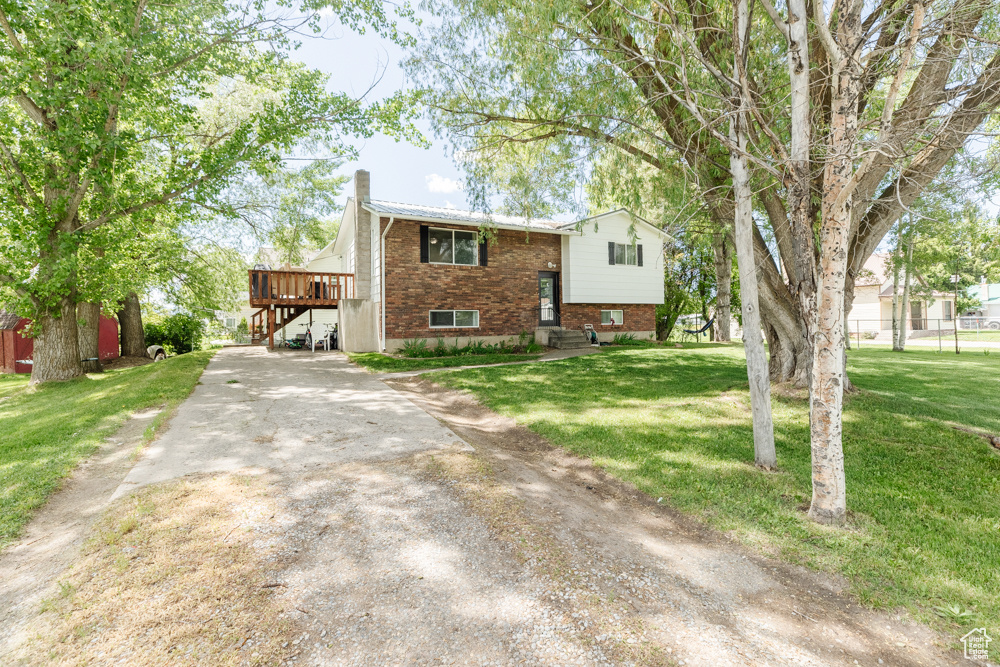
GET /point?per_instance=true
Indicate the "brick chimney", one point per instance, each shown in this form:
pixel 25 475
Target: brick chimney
pixel 362 236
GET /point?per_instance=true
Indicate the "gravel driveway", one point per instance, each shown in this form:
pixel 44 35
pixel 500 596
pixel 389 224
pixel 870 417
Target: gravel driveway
pixel 405 524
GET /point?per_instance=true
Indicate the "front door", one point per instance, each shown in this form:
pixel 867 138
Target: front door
pixel 548 299
pixel 917 316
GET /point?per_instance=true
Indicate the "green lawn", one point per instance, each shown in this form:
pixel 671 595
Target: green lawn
pixel 381 363
pixel 924 498
pixel 983 335
pixel 45 431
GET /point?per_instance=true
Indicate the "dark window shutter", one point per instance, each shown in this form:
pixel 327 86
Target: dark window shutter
pixel 638 254
pixel 424 252
pixel 611 252
pixel 483 259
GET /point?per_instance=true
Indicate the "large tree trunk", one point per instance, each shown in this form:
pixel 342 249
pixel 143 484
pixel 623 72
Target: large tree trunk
pixel 130 323
pixel 757 370
pixel 723 285
pixel 89 322
pixel 56 348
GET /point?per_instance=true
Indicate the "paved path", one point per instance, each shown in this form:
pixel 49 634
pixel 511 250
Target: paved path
pixel 285 411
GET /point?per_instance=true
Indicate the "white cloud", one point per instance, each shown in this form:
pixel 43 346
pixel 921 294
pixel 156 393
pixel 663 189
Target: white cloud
pixel 448 204
pixel 442 184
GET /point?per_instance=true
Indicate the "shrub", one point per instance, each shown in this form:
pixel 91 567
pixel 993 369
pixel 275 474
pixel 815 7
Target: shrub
pixel 243 328
pixel 177 333
pixel 415 348
pixel 625 339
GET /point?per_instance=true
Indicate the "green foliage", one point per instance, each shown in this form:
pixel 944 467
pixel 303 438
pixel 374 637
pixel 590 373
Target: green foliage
pixel 924 530
pixel 381 363
pixel 127 115
pixel 417 348
pixel 178 333
pixel 46 431
pixel 243 328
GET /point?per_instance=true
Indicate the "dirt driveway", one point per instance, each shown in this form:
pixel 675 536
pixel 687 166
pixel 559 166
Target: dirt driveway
pixel 328 518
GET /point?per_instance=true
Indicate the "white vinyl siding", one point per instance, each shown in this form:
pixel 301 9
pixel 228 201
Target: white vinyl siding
pixel 453 319
pixel 587 276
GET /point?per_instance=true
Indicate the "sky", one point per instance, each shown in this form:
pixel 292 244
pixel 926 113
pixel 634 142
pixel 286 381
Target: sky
pixel 399 171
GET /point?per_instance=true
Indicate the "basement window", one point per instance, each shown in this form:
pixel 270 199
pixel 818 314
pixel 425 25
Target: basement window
pixel 454 319
pixel 612 317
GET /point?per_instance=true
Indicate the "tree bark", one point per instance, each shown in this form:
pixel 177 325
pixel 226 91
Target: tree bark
pixel 826 395
pixel 130 324
pixel 895 288
pixel 753 344
pixel 56 353
pixel 723 286
pixel 905 314
pixel 88 317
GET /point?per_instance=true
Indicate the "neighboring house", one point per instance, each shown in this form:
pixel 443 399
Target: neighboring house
pixel 871 310
pixel 409 272
pixel 988 314
pixel 16 348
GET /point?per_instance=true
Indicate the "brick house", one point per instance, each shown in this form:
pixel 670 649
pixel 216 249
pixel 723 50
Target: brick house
pixel 421 272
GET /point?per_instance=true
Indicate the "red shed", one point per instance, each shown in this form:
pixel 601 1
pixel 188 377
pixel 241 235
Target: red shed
pixel 14 347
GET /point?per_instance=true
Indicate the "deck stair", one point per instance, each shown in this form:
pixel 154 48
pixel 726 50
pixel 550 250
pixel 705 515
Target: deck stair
pixel 282 317
pixel 568 339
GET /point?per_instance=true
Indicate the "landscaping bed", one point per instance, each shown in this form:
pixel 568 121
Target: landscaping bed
pixel 383 363
pixel 924 526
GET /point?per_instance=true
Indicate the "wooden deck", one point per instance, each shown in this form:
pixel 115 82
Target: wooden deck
pixel 299 288
pixel 284 295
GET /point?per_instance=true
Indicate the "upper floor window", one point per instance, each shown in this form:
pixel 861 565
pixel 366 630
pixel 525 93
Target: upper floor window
pixel 450 246
pixel 625 253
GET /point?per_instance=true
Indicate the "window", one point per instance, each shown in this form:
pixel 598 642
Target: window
pixel 947 310
pixel 230 322
pixel 448 246
pixel 625 253
pixel 443 319
pixel 612 317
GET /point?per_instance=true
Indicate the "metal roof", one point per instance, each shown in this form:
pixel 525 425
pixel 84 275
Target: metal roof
pixel 436 213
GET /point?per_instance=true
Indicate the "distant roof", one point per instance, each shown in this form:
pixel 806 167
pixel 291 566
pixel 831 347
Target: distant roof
pixel 985 293
pixel 875 270
pixel 8 320
pixel 464 217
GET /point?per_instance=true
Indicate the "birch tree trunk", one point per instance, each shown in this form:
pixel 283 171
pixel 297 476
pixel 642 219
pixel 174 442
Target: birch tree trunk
pixel 826 396
pixel 895 288
pixel 905 314
pixel 753 343
pixel 89 322
pixel 723 286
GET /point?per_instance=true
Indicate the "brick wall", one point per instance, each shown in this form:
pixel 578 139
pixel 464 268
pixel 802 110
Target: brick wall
pixel 505 292
pixel 636 317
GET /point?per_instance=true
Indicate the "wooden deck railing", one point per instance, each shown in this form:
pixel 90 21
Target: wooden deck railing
pixel 299 288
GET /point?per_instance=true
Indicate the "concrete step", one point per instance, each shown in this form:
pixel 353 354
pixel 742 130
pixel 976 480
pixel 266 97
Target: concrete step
pixel 568 339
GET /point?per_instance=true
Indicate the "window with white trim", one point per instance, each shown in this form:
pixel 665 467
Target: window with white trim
pixel 625 254
pixel 612 317
pixel 454 319
pixel 451 246
pixel 230 322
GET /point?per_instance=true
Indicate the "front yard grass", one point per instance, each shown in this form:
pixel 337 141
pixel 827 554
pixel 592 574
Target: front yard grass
pixel 381 363
pixel 46 430
pixel 924 497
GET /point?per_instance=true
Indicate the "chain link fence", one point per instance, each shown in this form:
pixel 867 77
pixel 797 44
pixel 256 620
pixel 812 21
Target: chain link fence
pixel 965 333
